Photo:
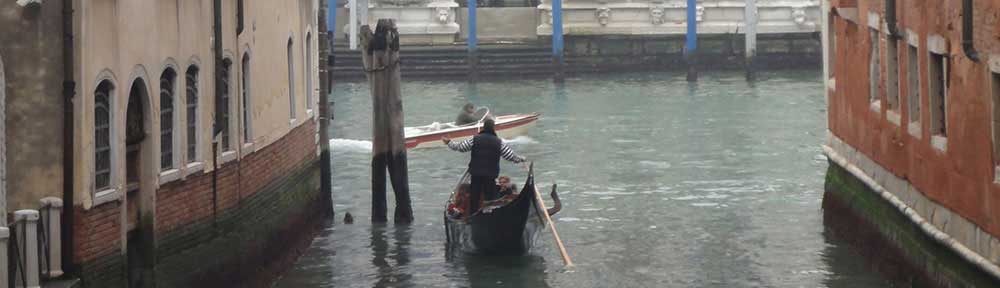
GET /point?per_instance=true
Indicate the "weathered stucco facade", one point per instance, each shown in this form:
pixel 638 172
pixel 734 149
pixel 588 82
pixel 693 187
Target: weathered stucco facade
pixel 267 99
pixel 126 53
pixel 151 203
pixel 914 116
pixel 31 53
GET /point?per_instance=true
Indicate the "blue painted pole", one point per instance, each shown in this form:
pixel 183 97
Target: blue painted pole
pixel 557 38
pixel 691 47
pixel 331 20
pixel 472 40
pixel 472 26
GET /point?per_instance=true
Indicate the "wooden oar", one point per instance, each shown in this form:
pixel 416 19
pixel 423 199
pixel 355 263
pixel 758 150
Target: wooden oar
pixel 552 226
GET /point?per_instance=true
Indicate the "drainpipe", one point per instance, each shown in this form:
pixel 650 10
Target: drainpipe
pixel 890 18
pixel 69 91
pixel 239 17
pixel 967 44
pixel 326 172
pixel 217 50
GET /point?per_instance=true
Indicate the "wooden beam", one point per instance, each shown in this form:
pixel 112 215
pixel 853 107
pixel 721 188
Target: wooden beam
pixel 380 57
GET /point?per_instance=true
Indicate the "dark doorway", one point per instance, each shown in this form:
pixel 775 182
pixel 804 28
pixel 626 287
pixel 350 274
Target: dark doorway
pixel 138 163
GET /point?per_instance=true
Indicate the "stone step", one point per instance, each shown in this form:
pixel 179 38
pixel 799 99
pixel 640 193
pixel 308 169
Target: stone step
pixel 527 59
pixel 456 55
pixel 436 50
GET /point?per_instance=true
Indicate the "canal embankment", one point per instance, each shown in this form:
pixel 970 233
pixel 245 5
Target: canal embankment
pixel 533 58
pixel 517 42
pixel 905 235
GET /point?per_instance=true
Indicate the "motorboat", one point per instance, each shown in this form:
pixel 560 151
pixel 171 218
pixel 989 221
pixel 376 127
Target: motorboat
pixel 506 126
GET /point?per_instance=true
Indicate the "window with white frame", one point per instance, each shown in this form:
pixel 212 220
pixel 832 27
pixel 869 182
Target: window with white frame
pixel 167 82
pixel 291 81
pixel 874 67
pixel 309 72
pixel 831 40
pixel 245 82
pixel 102 136
pixel 892 74
pixel 938 89
pixel 191 78
pixel 995 86
pixel 222 106
pixel 913 84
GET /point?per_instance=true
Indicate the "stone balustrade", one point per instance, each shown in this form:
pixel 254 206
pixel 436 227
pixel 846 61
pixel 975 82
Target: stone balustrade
pixel 668 17
pixel 418 21
pixel 435 22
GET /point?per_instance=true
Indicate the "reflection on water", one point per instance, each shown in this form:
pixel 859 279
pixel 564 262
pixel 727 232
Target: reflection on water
pixel 664 183
pixel 503 271
pixel 389 274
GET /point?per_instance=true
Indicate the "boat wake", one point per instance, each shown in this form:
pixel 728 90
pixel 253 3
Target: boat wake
pixel 519 140
pixel 350 145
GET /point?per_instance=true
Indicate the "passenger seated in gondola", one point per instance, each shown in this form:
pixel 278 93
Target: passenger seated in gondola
pixel 507 190
pixel 459 206
pixel 467 116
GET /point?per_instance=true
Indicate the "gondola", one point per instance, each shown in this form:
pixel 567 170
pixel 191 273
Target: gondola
pixel 506 226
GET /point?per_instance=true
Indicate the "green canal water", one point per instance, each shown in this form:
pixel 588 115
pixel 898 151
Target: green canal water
pixel 664 184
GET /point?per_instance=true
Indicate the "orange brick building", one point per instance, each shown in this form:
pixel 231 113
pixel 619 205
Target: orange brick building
pixel 913 91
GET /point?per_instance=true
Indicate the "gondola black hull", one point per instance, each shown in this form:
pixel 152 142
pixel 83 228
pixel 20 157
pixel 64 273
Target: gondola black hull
pixel 509 229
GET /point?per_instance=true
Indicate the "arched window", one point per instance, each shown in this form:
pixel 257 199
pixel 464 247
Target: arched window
pixel 245 81
pixel 309 73
pixel 291 81
pixel 167 81
pixel 191 77
pixel 222 105
pixel 102 136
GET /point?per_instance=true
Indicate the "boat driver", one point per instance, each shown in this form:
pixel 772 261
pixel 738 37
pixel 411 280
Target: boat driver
pixel 486 149
pixel 467 116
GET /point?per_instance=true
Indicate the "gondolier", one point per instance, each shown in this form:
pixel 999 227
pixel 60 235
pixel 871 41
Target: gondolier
pixel 484 166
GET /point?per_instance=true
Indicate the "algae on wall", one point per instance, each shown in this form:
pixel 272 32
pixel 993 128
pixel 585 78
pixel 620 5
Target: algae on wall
pixel 891 242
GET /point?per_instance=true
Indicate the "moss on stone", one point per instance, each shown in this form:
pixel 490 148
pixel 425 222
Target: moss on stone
pixel 938 262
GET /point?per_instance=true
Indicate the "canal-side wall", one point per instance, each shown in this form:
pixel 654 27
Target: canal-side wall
pixel 918 115
pixel 908 237
pixel 716 51
pixel 788 38
pixel 591 54
pixel 261 217
pixel 31 104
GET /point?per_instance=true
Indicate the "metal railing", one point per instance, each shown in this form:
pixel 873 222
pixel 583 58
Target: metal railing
pixel 32 243
pixel 44 240
pixel 16 263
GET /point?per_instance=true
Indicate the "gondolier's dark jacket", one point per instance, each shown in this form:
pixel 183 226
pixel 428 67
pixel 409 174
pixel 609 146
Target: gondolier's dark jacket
pixel 487 149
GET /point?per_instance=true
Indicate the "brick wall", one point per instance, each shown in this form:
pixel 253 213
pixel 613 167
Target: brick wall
pixel 258 197
pixel 960 177
pixel 97 243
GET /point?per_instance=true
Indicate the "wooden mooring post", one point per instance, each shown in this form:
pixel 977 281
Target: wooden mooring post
pixel 380 56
